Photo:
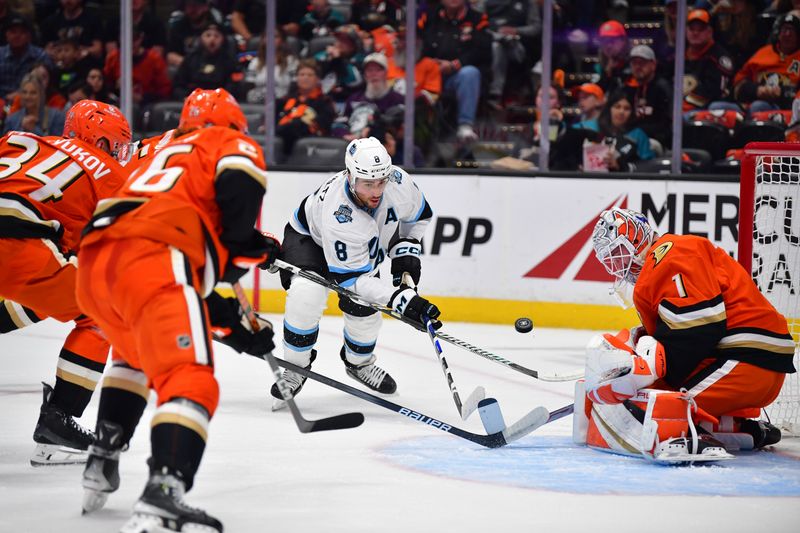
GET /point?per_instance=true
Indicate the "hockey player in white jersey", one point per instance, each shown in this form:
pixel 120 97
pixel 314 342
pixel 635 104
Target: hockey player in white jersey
pixel 344 231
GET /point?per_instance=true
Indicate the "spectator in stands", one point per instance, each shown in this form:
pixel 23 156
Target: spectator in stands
pixel 184 29
pixel 373 14
pixel 613 66
pixel 427 86
pixel 651 95
pixel 53 98
pixel 556 123
pixel 735 28
pixel 770 79
pixel 211 65
pixel 248 18
pixel 5 15
pixel 34 116
pixel 150 80
pixel 341 64
pixel 610 143
pixel 74 21
pixel 591 99
pixel 71 64
pixel 457 37
pixel 321 20
pixel 664 41
pixel 145 20
pixel 97 88
pixel 388 129
pixel 79 90
pixel 306 111
pixel 18 56
pixel 364 107
pixel 708 70
pixel 515 27
pixel 285 69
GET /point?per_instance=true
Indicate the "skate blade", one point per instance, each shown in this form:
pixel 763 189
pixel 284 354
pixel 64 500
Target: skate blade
pixel 56 455
pixel 147 523
pixel 707 456
pixel 277 404
pixel 93 500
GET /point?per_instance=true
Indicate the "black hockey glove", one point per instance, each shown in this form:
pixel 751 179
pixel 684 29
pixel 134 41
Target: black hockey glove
pixel 261 251
pixel 405 256
pixel 415 307
pixel 231 327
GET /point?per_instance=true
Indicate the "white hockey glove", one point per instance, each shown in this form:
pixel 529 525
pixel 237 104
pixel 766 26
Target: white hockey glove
pixel 614 371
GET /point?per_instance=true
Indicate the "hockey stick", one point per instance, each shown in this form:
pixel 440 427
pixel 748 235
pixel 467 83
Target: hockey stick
pixel 343 421
pixel 534 419
pixel 464 409
pixel 316 278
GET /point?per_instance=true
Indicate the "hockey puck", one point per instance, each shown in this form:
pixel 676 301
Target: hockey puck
pixel 523 325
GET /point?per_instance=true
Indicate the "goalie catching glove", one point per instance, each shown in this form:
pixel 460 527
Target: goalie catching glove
pixel 231 327
pixel 406 301
pixel 405 255
pixel 260 251
pixel 615 372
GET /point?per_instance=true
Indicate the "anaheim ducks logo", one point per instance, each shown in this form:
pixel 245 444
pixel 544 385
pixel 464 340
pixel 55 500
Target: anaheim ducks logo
pixel 661 251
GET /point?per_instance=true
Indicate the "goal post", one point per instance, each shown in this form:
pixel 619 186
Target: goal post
pixel 769 248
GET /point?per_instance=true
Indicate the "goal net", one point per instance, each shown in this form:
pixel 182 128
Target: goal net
pixel 769 247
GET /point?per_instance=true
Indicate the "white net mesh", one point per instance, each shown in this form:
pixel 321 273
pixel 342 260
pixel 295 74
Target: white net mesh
pixel 776 262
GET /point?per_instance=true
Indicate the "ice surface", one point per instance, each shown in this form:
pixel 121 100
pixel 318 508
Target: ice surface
pixel 392 474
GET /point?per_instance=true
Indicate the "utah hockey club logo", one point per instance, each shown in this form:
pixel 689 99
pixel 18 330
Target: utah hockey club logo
pixel 575 259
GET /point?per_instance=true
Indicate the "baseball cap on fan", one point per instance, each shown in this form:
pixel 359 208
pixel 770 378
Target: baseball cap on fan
pixel 643 51
pixel 378 58
pixel 612 28
pixel 698 15
pixel 593 89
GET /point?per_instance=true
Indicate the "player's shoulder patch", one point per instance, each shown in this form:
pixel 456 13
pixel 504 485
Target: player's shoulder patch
pixel 344 214
pixel 660 251
pixel 396 176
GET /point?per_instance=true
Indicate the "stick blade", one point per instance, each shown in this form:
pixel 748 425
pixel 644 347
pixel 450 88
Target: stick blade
pixel 343 421
pixel 491 416
pixel 471 403
pixel 533 420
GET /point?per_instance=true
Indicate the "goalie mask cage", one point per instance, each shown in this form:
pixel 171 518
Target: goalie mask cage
pixel 769 248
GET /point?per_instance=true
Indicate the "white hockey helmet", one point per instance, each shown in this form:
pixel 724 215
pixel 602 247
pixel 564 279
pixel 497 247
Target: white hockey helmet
pixel 621 239
pixel 366 159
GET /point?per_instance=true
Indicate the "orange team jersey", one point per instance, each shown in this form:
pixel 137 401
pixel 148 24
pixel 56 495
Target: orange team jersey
pixel 147 148
pixel 174 198
pixel 49 186
pixel 700 303
pixel 766 63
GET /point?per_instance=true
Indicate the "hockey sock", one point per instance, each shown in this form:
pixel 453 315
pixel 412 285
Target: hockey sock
pixel 14 316
pixel 76 379
pixel 123 398
pixel 178 437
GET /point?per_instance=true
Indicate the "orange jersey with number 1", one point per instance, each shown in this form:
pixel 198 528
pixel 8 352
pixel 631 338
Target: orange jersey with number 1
pixel 700 303
pixel 49 186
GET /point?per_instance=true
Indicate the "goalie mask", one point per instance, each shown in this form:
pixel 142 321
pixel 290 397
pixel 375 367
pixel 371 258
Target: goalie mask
pixel 366 159
pixel 212 107
pixel 620 240
pixel 93 122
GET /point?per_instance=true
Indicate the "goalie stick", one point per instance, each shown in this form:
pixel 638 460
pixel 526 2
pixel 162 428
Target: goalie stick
pixel 316 278
pixel 343 421
pixel 534 419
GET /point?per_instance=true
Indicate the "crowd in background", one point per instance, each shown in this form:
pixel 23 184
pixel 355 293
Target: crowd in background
pixel 339 72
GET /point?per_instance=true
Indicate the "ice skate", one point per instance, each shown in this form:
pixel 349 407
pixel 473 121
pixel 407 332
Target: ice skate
pixel 679 450
pixel 161 508
pixel 101 476
pixel 59 439
pixel 293 383
pixel 370 375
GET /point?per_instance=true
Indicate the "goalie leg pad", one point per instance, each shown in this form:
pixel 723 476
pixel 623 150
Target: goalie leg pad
pixel 360 336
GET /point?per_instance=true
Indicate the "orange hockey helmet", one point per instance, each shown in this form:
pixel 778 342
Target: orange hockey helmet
pixel 92 121
pixel 212 107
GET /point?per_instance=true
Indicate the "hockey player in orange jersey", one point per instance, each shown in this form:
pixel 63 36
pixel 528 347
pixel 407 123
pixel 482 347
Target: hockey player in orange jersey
pixel 710 342
pixel 149 256
pixel 49 187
